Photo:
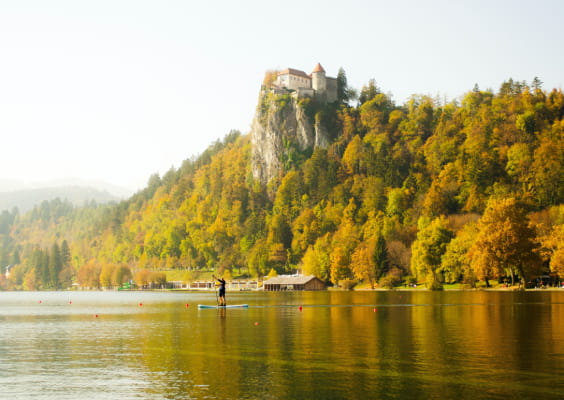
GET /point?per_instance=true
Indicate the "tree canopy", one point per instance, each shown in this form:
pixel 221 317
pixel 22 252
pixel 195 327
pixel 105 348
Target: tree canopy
pixel 396 193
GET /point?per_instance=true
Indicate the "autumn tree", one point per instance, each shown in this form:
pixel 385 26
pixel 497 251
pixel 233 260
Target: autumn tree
pixel 269 77
pixel 505 243
pixel 30 280
pixel 88 275
pixel 553 249
pixel 316 260
pixel 106 276
pixel 142 278
pixel 369 261
pixel 343 243
pixel 548 170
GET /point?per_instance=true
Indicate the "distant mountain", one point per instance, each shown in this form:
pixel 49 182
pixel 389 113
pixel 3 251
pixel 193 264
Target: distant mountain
pixel 26 199
pixel 12 185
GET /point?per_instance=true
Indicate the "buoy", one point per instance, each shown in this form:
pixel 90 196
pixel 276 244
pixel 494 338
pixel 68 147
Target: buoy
pixel 300 308
pixel 95 315
pixel 39 301
pixel 140 304
pixel 70 302
pixel 375 310
pixel 187 305
pixel 256 323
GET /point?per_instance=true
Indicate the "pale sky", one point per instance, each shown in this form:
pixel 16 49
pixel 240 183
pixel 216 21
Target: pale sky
pixel 118 90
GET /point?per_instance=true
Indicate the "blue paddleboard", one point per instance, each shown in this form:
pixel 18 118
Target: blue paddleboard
pixel 229 306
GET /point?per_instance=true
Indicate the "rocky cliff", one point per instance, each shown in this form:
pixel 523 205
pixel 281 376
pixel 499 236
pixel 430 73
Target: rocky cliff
pixel 282 126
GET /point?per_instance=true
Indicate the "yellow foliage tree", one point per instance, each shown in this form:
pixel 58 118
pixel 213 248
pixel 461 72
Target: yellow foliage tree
pixel 553 249
pixel 316 259
pixel 505 243
pixel 362 263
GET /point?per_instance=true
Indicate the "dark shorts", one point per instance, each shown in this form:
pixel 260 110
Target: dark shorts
pixel 221 292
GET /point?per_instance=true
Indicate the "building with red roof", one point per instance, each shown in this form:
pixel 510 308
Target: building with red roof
pixel 316 84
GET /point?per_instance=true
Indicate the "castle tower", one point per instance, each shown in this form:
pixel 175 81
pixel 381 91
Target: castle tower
pixel 318 79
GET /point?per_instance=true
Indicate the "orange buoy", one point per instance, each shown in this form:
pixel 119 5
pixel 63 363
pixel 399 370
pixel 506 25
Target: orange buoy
pixel 140 304
pixel 375 310
pixel 95 315
pixel 40 302
pixel 256 323
pixel 300 308
pixel 187 305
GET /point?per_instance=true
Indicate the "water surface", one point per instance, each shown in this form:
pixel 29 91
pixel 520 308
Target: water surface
pixel 339 345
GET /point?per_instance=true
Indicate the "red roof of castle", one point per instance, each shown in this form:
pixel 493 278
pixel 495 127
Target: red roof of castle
pixel 318 68
pixel 292 71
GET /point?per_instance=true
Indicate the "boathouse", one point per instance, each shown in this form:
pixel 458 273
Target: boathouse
pixel 281 283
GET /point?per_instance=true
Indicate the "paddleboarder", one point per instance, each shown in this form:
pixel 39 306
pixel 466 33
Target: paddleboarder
pixel 221 291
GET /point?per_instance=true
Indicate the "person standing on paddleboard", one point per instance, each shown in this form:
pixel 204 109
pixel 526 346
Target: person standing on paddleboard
pixel 221 290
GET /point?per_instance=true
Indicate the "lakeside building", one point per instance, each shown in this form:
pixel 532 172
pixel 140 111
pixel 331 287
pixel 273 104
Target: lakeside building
pixel 282 283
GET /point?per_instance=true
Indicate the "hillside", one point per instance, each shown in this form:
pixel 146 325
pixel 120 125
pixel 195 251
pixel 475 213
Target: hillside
pixel 424 191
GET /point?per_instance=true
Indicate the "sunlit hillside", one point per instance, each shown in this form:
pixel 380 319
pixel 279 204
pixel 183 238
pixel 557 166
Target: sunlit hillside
pixel 467 191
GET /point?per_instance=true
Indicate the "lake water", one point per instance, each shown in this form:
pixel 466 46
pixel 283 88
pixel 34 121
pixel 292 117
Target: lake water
pixel 340 345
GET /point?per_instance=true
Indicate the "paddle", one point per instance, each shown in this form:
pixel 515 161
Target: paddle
pixel 215 290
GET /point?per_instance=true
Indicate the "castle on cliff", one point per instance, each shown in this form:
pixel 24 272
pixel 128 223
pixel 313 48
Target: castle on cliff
pixel 316 84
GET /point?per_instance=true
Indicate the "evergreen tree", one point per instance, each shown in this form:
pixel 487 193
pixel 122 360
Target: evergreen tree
pixel 344 93
pixel 55 266
pixel 381 256
pixel 65 254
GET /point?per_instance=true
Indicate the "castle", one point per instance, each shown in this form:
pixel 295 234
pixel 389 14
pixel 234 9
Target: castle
pixel 316 84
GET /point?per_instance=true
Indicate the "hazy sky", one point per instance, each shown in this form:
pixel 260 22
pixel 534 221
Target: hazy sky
pixel 118 90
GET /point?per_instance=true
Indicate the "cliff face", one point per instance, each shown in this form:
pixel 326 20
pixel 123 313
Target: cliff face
pixel 281 126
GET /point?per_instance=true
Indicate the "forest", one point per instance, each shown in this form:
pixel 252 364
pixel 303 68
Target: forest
pixel 468 191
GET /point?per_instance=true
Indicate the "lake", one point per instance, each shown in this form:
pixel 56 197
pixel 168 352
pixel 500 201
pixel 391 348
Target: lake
pixel 339 345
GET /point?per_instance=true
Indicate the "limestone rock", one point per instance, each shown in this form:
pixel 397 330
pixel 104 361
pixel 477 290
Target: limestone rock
pixel 279 127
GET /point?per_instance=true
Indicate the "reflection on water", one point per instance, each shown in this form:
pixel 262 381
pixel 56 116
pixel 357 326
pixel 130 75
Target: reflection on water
pixel 340 345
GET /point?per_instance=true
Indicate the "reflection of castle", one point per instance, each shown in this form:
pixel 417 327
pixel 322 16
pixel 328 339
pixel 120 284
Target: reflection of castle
pixel 316 84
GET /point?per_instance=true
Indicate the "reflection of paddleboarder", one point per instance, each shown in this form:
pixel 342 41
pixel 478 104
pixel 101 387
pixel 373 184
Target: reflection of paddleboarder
pixel 221 290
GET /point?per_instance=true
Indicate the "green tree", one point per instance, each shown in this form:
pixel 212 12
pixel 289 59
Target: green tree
pixel 368 92
pixel 316 260
pixel 455 263
pixel 55 266
pixel 343 92
pixel 258 259
pixel 65 253
pixel 428 249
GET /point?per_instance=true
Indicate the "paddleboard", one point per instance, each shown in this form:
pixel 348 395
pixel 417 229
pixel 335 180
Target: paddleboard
pixel 229 306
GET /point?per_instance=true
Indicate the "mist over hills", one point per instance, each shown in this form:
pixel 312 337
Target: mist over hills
pixel 24 196
pixel 11 185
